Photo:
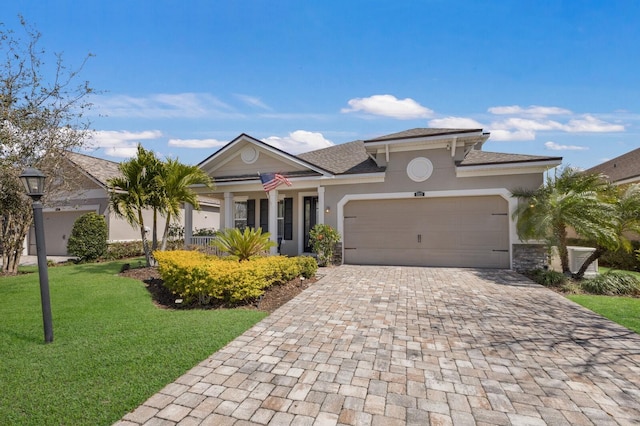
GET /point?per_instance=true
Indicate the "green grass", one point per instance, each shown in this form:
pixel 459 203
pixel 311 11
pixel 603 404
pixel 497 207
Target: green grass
pixel 112 347
pixel 623 310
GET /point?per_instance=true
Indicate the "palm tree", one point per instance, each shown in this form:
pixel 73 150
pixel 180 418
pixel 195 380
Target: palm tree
pixel 175 181
pixel 131 193
pixel 626 204
pixel 570 199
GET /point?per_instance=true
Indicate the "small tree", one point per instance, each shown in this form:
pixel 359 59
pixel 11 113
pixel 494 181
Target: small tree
pixel 41 116
pixel 88 239
pixel 131 194
pixel 323 241
pixel 570 199
pixel 626 210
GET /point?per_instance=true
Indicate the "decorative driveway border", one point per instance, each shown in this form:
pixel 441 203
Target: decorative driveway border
pixel 409 345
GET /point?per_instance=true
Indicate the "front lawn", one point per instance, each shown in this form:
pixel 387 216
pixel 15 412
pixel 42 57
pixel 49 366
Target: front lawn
pixel 623 310
pixel 112 347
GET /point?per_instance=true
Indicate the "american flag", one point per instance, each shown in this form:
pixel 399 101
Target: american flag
pixel 273 180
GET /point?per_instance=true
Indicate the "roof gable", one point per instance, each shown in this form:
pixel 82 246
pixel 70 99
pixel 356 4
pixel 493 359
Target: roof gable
pixel 248 156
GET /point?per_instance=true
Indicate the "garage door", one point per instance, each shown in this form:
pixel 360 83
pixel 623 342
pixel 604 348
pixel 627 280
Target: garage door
pixel 57 228
pixel 456 231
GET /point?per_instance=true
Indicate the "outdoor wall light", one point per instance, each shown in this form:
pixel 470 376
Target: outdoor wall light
pixel 327 210
pixel 33 181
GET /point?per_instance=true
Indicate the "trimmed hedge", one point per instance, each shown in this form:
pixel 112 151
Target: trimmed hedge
pixel 199 278
pixel 88 239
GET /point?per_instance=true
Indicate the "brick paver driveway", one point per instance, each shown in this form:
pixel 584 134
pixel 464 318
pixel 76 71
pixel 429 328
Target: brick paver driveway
pixel 399 345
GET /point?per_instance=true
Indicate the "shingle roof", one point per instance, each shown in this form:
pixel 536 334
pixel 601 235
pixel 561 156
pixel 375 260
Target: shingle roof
pixel 478 158
pixel 626 166
pixel 99 169
pixel 346 158
pixel 422 132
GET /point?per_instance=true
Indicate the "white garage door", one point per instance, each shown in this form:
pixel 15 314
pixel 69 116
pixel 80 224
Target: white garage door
pixel 456 231
pixel 57 228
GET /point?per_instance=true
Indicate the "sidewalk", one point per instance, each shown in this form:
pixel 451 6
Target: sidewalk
pixel 29 260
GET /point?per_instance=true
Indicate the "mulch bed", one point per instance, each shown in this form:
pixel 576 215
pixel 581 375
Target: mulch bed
pixel 273 298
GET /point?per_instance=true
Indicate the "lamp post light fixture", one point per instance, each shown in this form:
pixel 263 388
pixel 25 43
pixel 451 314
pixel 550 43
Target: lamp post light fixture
pixel 33 181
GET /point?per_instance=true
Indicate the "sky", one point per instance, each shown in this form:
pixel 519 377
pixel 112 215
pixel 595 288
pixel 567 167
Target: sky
pixel 183 78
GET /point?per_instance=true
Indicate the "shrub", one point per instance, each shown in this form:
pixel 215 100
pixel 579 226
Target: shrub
pixel 243 244
pixel 124 250
pixel 88 239
pixel 198 278
pixel 323 240
pixel 547 277
pixel 204 232
pixel 612 283
pixel 308 266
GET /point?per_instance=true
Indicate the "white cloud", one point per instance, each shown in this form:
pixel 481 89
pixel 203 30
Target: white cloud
pixel 121 151
pixel 557 147
pixel 120 143
pixel 253 101
pixel 388 106
pixel 525 127
pixel 163 105
pixel 515 135
pixel 592 124
pixel 527 124
pixel 455 123
pixel 299 141
pixel 196 143
pixel 533 110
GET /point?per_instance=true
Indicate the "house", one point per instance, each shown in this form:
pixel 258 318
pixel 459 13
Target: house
pixel 89 193
pixel 424 196
pixel 621 170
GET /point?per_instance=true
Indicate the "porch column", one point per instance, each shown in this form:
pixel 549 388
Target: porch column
pixel 228 210
pixel 188 224
pixel 273 219
pixel 321 205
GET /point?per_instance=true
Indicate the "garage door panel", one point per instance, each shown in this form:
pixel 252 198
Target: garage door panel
pixel 460 231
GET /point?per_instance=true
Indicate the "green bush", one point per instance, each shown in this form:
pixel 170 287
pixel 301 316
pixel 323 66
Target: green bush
pixel 308 266
pixel 243 244
pixel 124 250
pixel 88 239
pixel 612 283
pixel 547 277
pixel 198 278
pixel 323 240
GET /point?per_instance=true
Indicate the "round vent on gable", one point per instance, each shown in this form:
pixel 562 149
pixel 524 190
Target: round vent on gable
pixel 249 155
pixel 419 169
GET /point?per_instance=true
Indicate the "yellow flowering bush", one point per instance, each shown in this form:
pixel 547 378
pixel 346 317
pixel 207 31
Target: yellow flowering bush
pixel 198 278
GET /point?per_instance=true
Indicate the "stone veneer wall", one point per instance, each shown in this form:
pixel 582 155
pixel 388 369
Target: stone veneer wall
pixel 529 256
pixel 337 253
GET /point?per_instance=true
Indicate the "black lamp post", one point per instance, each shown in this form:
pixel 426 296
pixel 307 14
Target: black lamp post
pixel 33 181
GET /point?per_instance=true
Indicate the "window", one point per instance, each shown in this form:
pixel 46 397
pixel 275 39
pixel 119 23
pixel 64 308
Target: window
pixel 281 219
pixel 240 215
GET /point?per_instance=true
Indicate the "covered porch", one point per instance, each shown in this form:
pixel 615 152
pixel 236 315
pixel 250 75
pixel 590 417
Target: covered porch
pixel 287 214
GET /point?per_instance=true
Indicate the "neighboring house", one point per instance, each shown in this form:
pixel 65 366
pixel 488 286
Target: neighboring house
pixel 621 170
pixel 64 207
pixel 424 196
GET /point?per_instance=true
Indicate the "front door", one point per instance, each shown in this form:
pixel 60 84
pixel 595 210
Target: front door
pixel 310 219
